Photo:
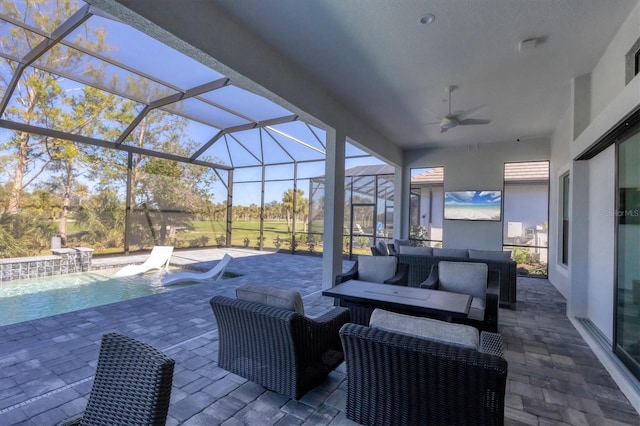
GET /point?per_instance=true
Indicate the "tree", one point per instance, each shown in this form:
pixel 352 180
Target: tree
pixel 49 100
pixel 103 218
pixel 168 194
pixel 39 97
pixel 66 157
pixel 301 203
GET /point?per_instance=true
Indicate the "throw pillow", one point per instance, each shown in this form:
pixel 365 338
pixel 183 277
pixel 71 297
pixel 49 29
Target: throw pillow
pixel 382 248
pixel 463 277
pixel 376 269
pixel 272 296
pixel 444 332
pixel 442 252
pixel 490 254
pixel 424 251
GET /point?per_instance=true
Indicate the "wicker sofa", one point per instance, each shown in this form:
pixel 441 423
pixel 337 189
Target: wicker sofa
pixel 278 348
pixel 399 379
pixel 420 267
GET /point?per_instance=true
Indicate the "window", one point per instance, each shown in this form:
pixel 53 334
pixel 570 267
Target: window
pixel 564 232
pixel 426 206
pixel 526 211
pixel 632 62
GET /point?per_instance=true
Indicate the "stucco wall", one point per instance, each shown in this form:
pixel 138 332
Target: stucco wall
pixel 608 76
pixel 560 164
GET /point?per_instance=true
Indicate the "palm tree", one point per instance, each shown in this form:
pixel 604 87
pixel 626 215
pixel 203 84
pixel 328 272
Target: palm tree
pixel 301 203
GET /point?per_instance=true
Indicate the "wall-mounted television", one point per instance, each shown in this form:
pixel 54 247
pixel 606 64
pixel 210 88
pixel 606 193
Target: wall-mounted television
pixel 473 205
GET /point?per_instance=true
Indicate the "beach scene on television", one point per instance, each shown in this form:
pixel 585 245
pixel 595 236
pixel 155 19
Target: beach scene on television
pixel 472 205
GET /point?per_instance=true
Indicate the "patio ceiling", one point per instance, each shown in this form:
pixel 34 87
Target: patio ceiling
pixel 391 70
pixel 231 127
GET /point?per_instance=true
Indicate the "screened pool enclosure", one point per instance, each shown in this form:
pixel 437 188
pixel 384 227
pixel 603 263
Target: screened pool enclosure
pixel 115 141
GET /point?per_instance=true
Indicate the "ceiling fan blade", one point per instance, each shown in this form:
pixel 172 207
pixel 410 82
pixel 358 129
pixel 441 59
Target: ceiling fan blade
pixel 443 129
pixel 471 121
pixel 439 117
pixel 470 113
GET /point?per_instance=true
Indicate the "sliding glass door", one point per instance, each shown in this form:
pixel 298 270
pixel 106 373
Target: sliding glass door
pixel 627 316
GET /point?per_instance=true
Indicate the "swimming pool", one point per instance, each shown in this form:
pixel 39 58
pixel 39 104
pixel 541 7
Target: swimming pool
pixel 23 300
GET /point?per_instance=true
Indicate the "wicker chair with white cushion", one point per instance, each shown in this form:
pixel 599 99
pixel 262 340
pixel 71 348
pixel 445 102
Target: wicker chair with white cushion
pixel 376 269
pixel 404 370
pixel 266 338
pixel 473 279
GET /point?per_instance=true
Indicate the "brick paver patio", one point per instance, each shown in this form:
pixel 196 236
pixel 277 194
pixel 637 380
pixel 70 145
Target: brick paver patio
pixel 46 365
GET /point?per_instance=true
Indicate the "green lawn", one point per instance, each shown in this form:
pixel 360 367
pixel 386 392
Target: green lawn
pixel 245 233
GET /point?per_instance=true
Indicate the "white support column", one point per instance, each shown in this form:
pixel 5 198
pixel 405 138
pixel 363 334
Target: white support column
pixel 401 204
pixel 333 207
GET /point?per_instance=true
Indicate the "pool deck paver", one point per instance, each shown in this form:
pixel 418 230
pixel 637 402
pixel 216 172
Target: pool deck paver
pixel 46 365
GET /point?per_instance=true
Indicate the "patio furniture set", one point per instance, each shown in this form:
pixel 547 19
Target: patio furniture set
pixel 466 292
pixel 413 355
pixel 420 260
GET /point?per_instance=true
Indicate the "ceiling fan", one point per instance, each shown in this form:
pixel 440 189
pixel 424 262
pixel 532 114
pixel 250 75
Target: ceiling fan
pixel 450 120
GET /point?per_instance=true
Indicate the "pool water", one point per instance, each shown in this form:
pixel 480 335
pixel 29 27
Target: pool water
pixel 23 300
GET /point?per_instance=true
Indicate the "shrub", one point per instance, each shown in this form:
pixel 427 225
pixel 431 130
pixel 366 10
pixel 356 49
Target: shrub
pixel 24 234
pixel 521 255
pixel 418 236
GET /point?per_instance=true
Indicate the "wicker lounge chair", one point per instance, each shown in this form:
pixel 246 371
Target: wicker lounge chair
pixel 396 379
pixel 158 259
pixel 278 348
pixel 214 274
pixel 132 385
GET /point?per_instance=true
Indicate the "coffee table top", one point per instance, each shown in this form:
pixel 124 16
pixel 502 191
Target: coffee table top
pixel 436 301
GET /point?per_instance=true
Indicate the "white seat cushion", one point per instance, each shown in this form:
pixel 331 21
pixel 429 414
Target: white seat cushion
pixel 444 332
pixel 272 296
pixel 463 277
pixel 376 269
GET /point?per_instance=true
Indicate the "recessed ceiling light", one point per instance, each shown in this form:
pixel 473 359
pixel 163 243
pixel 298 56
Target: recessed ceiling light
pixel 427 19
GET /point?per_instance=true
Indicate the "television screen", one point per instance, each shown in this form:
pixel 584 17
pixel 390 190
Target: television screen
pixel 472 205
